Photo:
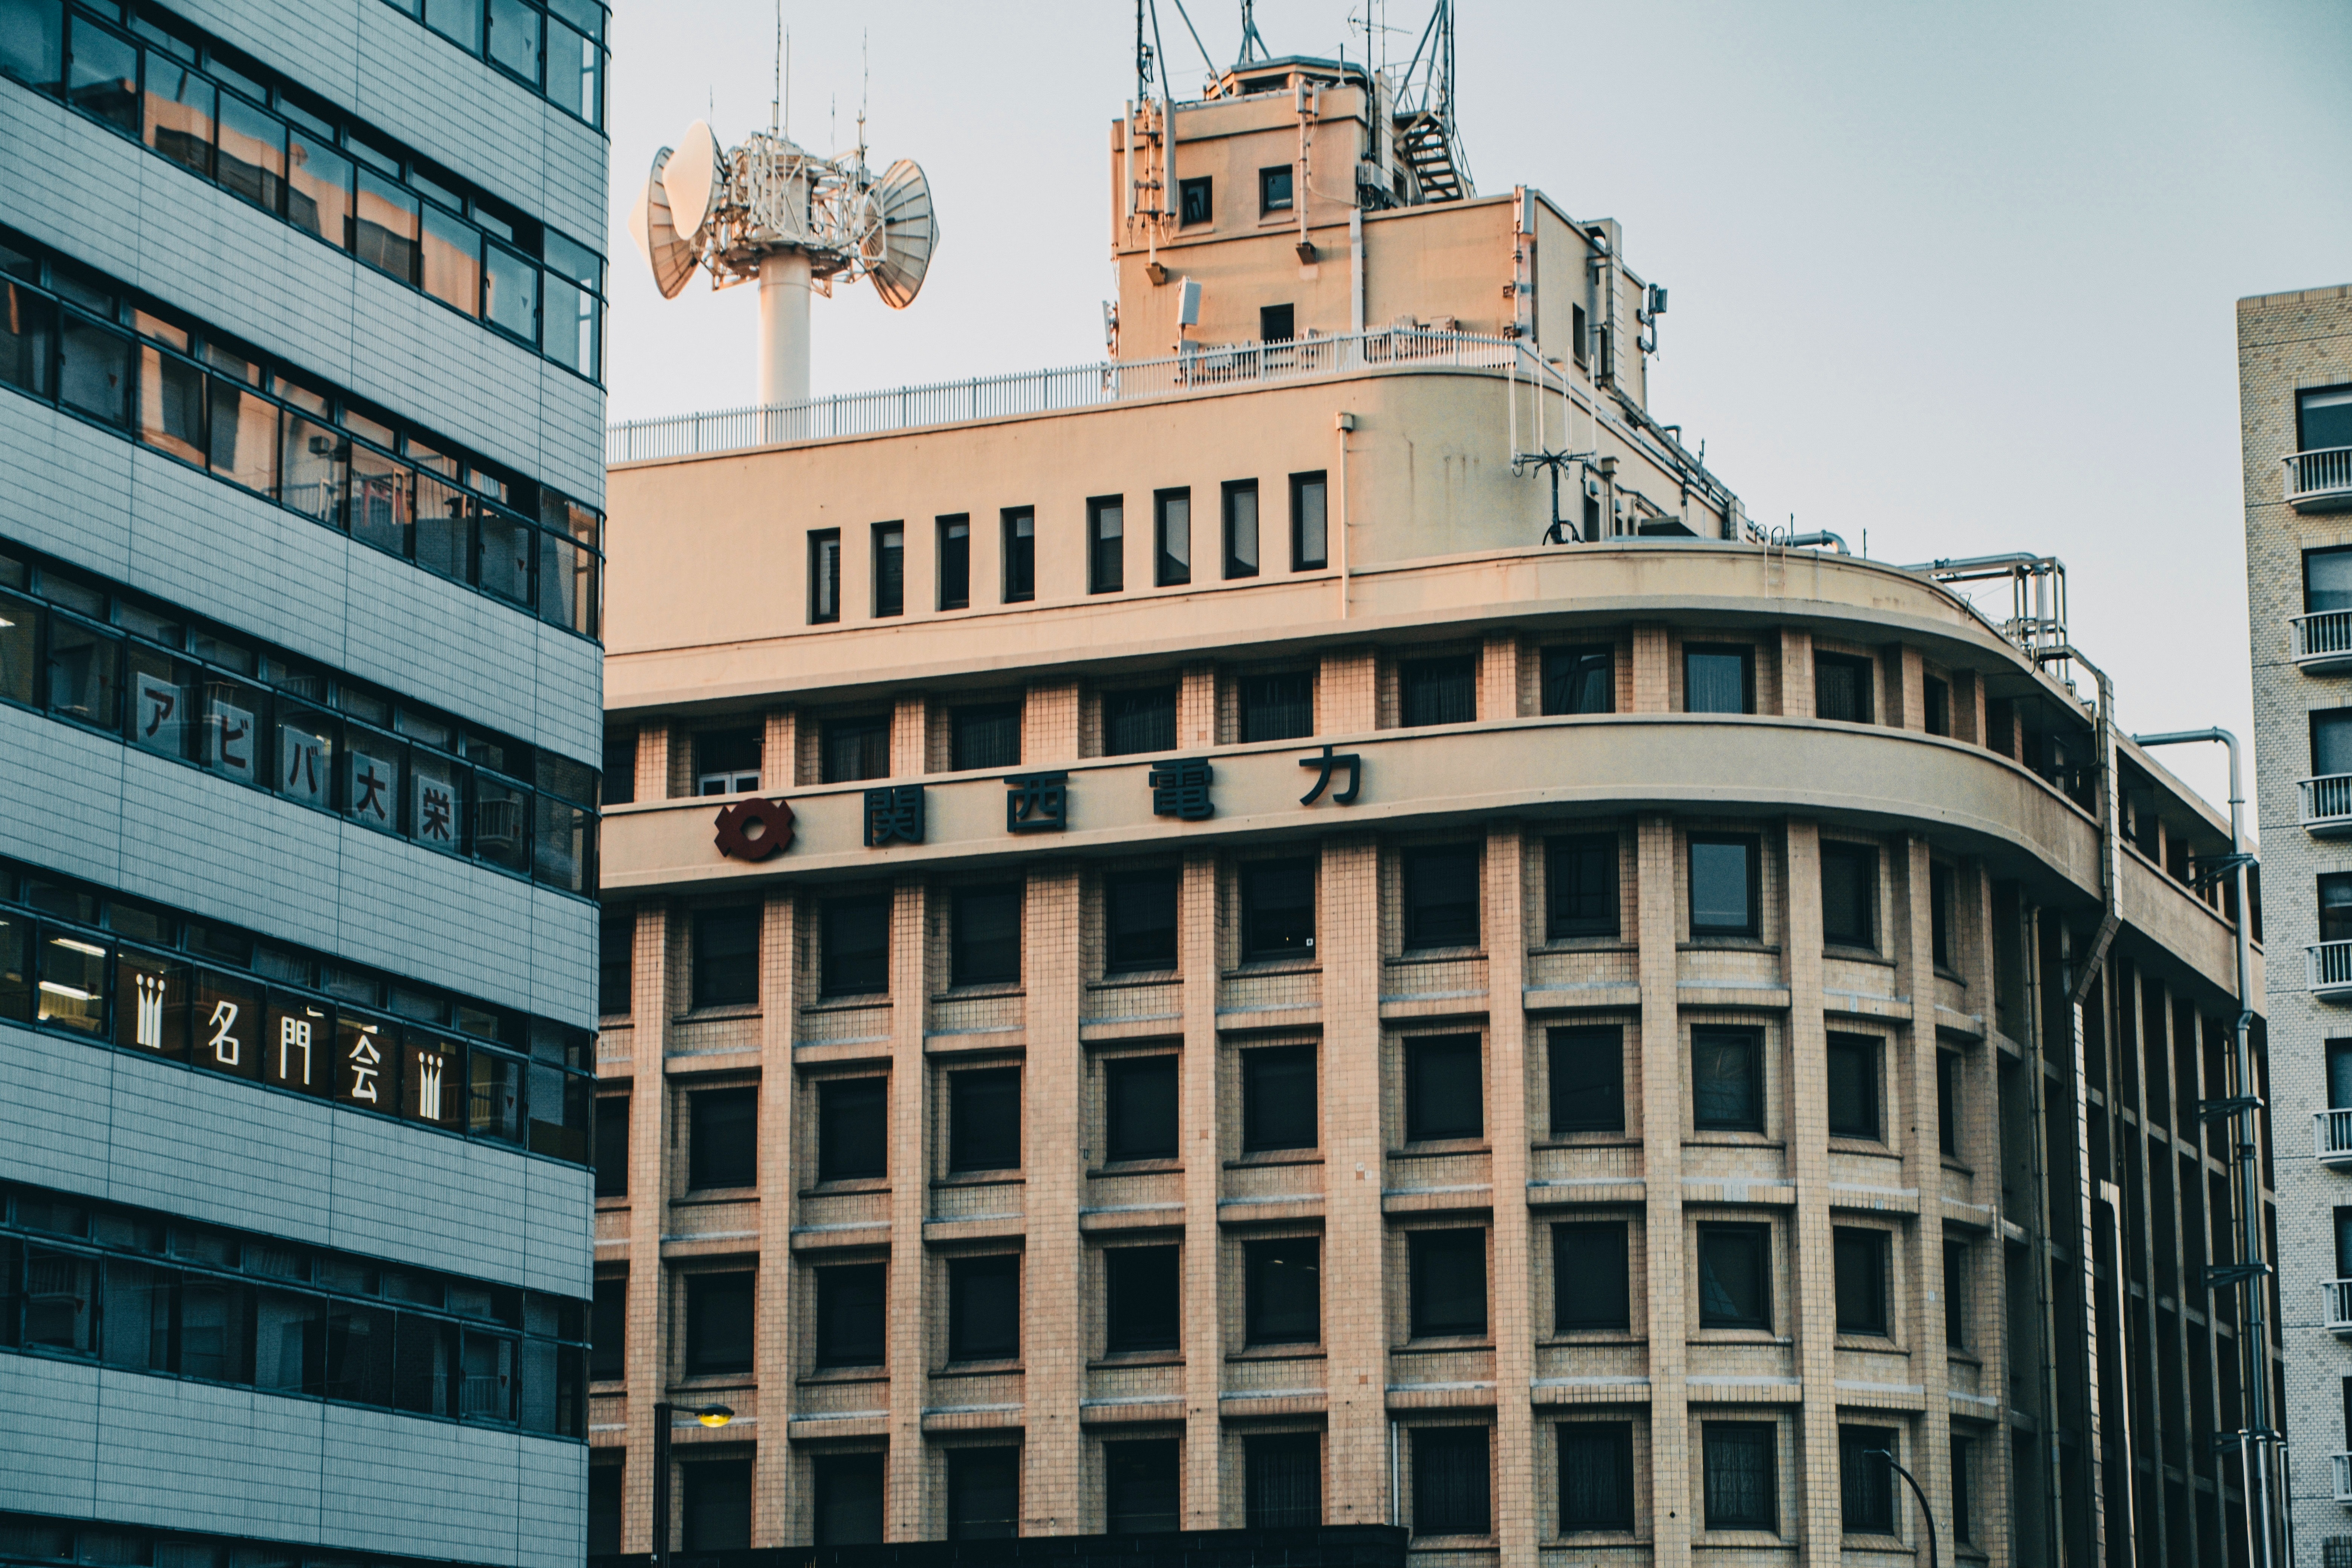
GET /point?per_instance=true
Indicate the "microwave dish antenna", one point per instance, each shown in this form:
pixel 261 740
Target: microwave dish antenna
pixel 651 225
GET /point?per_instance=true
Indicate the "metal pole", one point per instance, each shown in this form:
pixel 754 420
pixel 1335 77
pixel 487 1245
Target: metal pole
pixel 661 1485
pixel 1926 1513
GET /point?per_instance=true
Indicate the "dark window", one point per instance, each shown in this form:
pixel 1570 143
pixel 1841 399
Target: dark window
pixel 2335 907
pixel 984 1307
pixel 2344 1243
pixel 1139 1108
pixel 604 1488
pixel 889 568
pixel 1194 203
pixel 1859 1261
pixel 1735 1277
pixel 613 1146
pixel 1842 685
pixel 852 1128
pixel 616 932
pixel 824 574
pixel 854 945
pixel 1310 528
pixel 1865 1484
pixel 1437 691
pixel 1727 1078
pixel 1581 877
pixel 2339 1075
pixel 1144 1296
pixel 723 1138
pixel 1277 909
pixel 2331 742
pixel 1596 1477
pixel 727 957
pixel 1138 721
pixel 983 1493
pixel 1451 1485
pixel 1955 1294
pixel 1718 679
pixel 1587 1067
pixel 727 761
pixel 1141 1491
pixel 1849 895
pixel 985 923
pixel 718 1504
pixel 984 737
pixel 1853 1078
pixel 1449 1282
pixel 1278 707
pixel 1274 189
pixel 1590 1282
pixel 2323 416
pixel 1441 896
pixel 855 749
pixel 608 1329
pixel 718 1322
pixel 955 562
pixel 1276 323
pixel 1743 1488
pixel 1445 1091
pixel 1723 891
pixel 1283 1480
pixel 848 1489
pixel 620 775
pixel 1936 696
pixel 984 1119
pixel 1963 1498
pixel 1171 532
pixel 1579 679
pixel 1241 527
pixel 1579 329
pixel 1947 1103
pixel 1106 544
pixel 1943 902
pixel 1140 919
pixel 1020 554
pixel 850 1314
pixel 1284 1291
pixel 2326 581
pixel 1278 1109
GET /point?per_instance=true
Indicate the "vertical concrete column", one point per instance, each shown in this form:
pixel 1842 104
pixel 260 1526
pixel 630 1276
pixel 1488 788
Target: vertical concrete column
pixel 653 760
pixel 1512 1317
pixel 1049 724
pixel 906 1491
pixel 1660 1129
pixel 1053 1349
pixel 648 1360
pixel 1796 672
pixel 911 734
pixel 1652 680
pixel 1987 1307
pixel 1204 1312
pixel 1499 676
pixel 1346 699
pixel 1911 687
pixel 1355 1325
pixel 1968 712
pixel 778 1517
pixel 1923 1170
pixel 1196 707
pixel 779 751
pixel 1813 1293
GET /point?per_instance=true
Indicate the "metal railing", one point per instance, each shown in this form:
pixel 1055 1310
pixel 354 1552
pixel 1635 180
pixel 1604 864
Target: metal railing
pixel 2343 1466
pixel 2327 968
pixel 2325 803
pixel 2331 1137
pixel 2325 474
pixel 2336 1305
pixel 1205 369
pixel 2323 637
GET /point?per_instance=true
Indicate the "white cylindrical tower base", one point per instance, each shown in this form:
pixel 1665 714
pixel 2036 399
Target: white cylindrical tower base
pixel 783 328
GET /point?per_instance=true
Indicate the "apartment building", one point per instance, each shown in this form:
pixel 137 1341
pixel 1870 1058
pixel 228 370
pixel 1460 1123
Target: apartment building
pixel 300 516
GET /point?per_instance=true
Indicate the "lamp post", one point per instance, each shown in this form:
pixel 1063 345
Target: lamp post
pixel 710 1416
pixel 1925 1512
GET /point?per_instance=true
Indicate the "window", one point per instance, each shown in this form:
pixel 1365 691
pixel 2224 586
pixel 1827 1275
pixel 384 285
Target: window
pixel 1171 532
pixel 605 1487
pixel 1449 1282
pixel 1277 707
pixel 1580 882
pixel 1140 919
pixel 2323 419
pixel 984 1119
pixel 1441 896
pixel 1947 1103
pixel 1579 679
pixel 1241 527
pixel 848 1489
pixel 850 1315
pixel 620 774
pixel 1936 695
pixel 1859 1261
pixel 1718 679
pixel 1437 691
pixel 1283 1480
pixel 2335 907
pixel 1283 1292
pixel 854 749
pixel 613 1146
pixel 1193 201
pixel 1139 1108
pixel 1849 895
pixel 718 1323
pixel 1278 1108
pixel 984 1307
pixel 1742 1481
pixel 1578 330
pixel 1451 1485
pixel 616 935
pixel 1277 909
pixel 2343 1243
pixel 824 575
pixel 1943 902
pixel 1589 1278
pixel 1143 1292
pixel 1726 1078
pixel 1955 1294
pixel 1136 721
pixel 1735 1277
pixel 983 1493
pixel 889 568
pixel 1140 1490
pixel 985 925
pixel 1963 1498
pixel 1865 1484
pixel 1274 189
pixel 723 1138
pixel 1443 1087
pixel 1586 1064
pixel 2326 581
pixel 1309 534
pixel 852 1137
pixel 2331 742
pixel 1841 689
pixel 986 736
pixel 854 945
pixel 1106 544
pixel 1276 323
pixel 1723 891
pixel 2339 1075
pixel 954 562
pixel 727 957
pixel 1019 525
pixel 717 1508
pixel 1596 1477
pixel 1853 1086
pixel 608 1329
pixel 727 761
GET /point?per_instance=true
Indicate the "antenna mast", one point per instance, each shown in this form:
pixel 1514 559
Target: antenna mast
pixel 1252 47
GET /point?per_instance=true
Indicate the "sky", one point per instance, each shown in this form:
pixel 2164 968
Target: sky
pixel 1960 279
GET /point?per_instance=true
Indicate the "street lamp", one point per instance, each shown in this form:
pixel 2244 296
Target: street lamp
pixel 1925 1512
pixel 713 1415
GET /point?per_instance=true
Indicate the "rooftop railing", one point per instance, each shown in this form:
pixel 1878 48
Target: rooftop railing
pixel 2319 480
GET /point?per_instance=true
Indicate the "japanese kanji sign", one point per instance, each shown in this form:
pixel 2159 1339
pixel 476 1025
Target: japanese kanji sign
pixel 1181 788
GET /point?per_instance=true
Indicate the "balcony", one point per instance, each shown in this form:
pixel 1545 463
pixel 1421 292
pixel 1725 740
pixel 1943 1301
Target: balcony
pixel 2327 971
pixel 2343 1467
pixel 2331 1137
pixel 2319 480
pixel 2335 1298
pixel 2324 805
pixel 2323 642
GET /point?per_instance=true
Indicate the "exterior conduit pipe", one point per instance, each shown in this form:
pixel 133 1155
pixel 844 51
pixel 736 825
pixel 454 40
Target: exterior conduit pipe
pixel 1823 536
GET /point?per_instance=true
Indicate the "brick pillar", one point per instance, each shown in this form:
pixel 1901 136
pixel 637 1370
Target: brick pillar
pixel 1053 1268
pixel 1813 1293
pixel 679 781
pixel 648 1299
pixel 1499 676
pixel 780 1518
pixel 910 735
pixel 1967 709
pixel 1652 679
pixel 1049 725
pixel 1923 1166
pixel 778 751
pixel 1345 697
pixel 652 761
pixel 1196 707
pixel 1658 1123
pixel 1355 1329
pixel 1512 1323
pixel 1909 698
pixel 1204 1320
pixel 907 1492
pixel 1796 673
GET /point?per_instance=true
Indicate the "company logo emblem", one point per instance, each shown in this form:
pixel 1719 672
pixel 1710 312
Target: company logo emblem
pixel 754 829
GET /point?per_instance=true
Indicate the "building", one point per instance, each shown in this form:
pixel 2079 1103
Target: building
pixel 1438 981
pixel 299 728
pixel 2295 388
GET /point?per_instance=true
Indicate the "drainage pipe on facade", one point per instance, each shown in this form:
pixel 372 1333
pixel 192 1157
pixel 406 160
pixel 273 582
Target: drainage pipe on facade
pixel 2036 1098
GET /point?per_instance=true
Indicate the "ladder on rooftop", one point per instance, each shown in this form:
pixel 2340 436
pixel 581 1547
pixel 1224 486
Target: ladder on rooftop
pixel 1427 143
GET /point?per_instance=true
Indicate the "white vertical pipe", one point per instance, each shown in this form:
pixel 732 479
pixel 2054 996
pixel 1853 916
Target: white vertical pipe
pixel 783 328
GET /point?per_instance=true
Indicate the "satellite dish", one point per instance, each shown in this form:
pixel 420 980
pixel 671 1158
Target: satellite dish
pixel 909 232
pixel 696 171
pixel 671 258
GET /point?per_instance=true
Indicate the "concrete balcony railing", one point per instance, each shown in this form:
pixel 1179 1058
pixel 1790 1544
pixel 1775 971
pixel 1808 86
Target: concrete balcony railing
pixel 2336 1305
pixel 2327 971
pixel 2323 641
pixel 2331 1137
pixel 2324 805
pixel 2342 1464
pixel 2319 480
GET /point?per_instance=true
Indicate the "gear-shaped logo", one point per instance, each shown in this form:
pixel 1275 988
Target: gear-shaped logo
pixel 754 829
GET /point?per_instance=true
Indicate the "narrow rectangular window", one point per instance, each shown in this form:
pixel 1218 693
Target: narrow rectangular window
pixel 1742 1481
pixel 1735 1277
pixel 1139 1108
pixel 1865 1484
pixel 1596 1477
pixel 1137 721
pixel 1278 1106
pixel 1943 902
pixel 2326 581
pixel 718 1322
pixel 1283 1290
pixel 1947 1103
pixel 722 1142
pixel 854 749
pixel 1581 881
pixel 1276 707
pixel 1849 895
pixel 1309 530
pixel 1579 679
pixel 984 1493
pixel 984 929
pixel 616 936
pixel 1854 1077
pixel 717 1508
pixel 1859 1262
pixel 1437 691
pixel 984 1119
pixel 984 736
pixel 824 575
pixel 1579 329
pixel 852 1129
pixel 613 1146
pixel 1719 678
pixel 1723 893
pixel 1936 697
pixel 1241 527
pixel 1274 189
pixel 1283 1480
pixel 848 1498
pixel 620 774
pixel 1142 1486
pixel 1453 1489
pixel 1140 919
pixel 1955 1294
pixel 850 1315
pixel 1963 1497
pixel 1019 524
pixel 1448 1270
pixel 1727 1078
pixel 1444 1092
pixel 726 958
pixel 1441 896
pixel 954 562
pixel 1841 687
pixel 2331 742
pixel 1277 898
pixel 1172 529
pixel 1106 544
pixel 1143 1297
pixel 854 945
pixel 1587 1067
pixel 608 1328
pixel 1196 202
pixel 984 1307
pixel 1589 1276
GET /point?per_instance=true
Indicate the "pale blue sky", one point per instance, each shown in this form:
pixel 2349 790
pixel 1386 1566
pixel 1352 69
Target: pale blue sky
pixel 1959 275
